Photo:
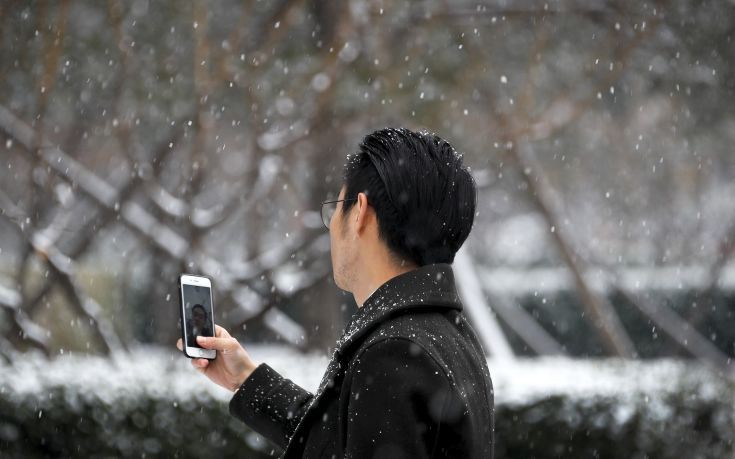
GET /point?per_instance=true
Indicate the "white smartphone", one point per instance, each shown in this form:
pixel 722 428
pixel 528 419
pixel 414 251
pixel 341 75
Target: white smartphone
pixel 197 314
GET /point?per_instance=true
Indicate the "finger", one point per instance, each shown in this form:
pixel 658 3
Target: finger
pixel 224 345
pixel 180 344
pixel 200 364
pixel 220 332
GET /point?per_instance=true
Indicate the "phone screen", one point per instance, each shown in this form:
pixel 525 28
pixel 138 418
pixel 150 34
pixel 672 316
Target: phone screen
pixel 197 313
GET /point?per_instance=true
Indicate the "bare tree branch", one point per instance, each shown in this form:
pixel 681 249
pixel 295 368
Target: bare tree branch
pixel 84 235
pixel 134 215
pixel 84 305
pixel 7 350
pixel 525 326
pixel 561 112
pixel 601 312
pixel 22 327
pixel 725 249
pixel 210 218
pixel 275 297
pixel 558 115
pixel 491 334
pixel 681 332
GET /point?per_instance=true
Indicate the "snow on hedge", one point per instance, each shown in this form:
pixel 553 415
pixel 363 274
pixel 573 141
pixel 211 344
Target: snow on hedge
pixel 153 372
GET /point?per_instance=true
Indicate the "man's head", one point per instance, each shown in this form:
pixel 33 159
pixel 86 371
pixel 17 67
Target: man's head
pixel 199 315
pixel 411 203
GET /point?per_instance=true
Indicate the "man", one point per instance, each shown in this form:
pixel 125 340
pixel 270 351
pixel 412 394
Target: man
pixel 408 378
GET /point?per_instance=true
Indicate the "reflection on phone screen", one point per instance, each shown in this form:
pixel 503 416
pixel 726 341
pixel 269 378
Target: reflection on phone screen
pixel 197 313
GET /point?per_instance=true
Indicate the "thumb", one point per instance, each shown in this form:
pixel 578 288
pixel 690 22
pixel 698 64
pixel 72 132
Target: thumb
pixel 220 332
pixel 224 345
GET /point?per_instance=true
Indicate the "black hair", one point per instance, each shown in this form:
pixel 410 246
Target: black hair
pixel 423 196
pixel 199 306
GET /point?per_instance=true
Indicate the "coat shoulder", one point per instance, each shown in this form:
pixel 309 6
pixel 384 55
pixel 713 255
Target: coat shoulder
pixel 414 326
pixel 437 350
pixel 444 336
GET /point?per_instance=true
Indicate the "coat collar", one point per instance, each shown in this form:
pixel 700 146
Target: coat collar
pixel 429 286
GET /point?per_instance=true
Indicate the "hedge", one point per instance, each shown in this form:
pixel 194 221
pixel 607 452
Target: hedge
pixel 151 404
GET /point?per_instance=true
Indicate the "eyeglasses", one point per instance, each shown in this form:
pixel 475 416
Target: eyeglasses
pixel 329 208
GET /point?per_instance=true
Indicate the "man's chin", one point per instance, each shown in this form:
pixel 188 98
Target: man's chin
pixel 338 282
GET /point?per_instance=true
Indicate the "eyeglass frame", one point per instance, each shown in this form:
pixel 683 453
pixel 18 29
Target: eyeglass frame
pixel 335 209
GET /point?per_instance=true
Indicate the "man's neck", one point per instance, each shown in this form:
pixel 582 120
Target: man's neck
pixel 373 279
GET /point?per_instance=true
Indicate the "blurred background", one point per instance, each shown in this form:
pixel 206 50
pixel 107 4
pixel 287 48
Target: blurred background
pixel 143 139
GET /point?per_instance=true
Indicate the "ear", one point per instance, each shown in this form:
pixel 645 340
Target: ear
pixel 363 212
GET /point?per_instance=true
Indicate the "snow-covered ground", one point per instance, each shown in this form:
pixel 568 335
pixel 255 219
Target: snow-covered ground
pixel 165 374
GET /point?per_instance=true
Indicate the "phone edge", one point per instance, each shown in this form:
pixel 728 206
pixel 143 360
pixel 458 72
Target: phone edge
pixel 179 289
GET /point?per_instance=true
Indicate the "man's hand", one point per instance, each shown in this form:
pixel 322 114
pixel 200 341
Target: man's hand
pixel 231 367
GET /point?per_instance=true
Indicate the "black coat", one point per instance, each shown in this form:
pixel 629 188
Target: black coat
pixel 408 379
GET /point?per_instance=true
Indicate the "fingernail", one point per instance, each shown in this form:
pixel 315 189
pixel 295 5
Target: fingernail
pixel 201 339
